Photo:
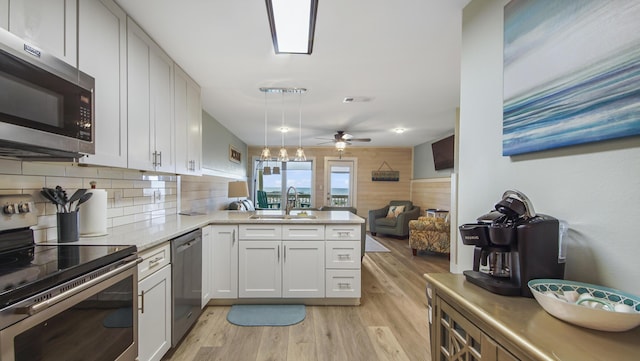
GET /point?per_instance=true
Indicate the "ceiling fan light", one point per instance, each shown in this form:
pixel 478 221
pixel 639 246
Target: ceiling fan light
pixel 340 145
pixel 300 156
pixel 292 24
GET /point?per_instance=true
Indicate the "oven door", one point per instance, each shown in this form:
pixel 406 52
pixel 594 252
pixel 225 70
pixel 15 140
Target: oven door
pixel 96 323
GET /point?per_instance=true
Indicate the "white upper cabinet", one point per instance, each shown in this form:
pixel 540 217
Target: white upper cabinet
pixel 188 123
pixel 4 14
pixel 150 103
pixel 48 24
pixel 102 53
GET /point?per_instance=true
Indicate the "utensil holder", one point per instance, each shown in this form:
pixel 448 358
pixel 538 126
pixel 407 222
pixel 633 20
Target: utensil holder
pixel 67 227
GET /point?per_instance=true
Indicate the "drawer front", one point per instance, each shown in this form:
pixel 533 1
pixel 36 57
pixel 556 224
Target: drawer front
pixel 261 231
pixel 303 232
pixel 342 283
pixel 153 260
pixel 343 232
pixel 342 254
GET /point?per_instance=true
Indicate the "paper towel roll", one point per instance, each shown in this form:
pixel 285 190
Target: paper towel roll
pixel 93 214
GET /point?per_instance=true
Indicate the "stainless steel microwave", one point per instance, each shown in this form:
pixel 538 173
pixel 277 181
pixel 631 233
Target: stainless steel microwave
pixel 46 105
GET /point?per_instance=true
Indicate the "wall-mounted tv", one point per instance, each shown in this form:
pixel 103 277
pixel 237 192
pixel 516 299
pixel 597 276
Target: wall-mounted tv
pixel 443 153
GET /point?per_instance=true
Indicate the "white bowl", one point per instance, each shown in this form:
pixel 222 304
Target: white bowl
pixel 597 311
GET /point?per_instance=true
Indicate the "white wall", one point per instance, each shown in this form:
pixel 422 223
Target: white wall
pixel 594 187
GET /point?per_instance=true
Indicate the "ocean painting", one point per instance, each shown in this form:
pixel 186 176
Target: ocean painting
pixel 571 73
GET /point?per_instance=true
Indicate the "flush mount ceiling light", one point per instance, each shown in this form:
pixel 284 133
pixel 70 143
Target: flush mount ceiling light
pixel 292 24
pixel 399 130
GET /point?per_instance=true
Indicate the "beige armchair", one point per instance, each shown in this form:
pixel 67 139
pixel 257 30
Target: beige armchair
pixel 430 234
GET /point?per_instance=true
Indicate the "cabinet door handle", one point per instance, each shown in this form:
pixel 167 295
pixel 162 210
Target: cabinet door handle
pixel 160 156
pixel 278 253
pixel 285 253
pixel 155 262
pixel 154 162
pixel 344 285
pixel 347 256
pixel 141 308
pixel 233 237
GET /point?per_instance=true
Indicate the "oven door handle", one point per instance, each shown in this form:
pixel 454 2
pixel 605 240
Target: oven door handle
pixel 41 306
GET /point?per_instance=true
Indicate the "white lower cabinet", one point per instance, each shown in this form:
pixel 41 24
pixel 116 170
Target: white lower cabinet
pixel 274 262
pixel 154 309
pixel 300 261
pixel 260 271
pixel 303 269
pixel 343 261
pixel 223 261
pixel 207 269
pixel 273 269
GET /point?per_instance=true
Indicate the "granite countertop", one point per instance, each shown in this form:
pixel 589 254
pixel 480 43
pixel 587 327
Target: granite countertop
pixel 153 232
pixel 524 324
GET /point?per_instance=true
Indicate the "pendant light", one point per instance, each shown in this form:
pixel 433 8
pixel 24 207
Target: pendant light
pixel 283 156
pixel 266 153
pixel 300 156
pixel 266 170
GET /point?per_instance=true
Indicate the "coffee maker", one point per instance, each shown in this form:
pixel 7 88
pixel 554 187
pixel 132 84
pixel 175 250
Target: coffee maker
pixel 513 245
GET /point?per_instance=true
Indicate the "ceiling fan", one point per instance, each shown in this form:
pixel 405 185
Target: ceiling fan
pixel 341 139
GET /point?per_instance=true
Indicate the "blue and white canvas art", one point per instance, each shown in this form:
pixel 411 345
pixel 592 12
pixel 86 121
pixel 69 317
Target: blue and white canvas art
pixel 571 73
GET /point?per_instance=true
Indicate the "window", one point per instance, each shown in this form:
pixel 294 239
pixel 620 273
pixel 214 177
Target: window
pixel 296 174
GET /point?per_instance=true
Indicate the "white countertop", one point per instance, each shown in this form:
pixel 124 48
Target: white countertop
pixel 148 234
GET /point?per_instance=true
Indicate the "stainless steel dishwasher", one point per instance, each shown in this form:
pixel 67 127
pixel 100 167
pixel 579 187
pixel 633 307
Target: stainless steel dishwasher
pixel 186 276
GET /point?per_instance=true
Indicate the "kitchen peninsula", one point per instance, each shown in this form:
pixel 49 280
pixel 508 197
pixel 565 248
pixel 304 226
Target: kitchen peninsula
pixel 268 256
pixel 311 257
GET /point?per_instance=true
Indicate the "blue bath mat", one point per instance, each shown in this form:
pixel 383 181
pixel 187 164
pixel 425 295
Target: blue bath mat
pixel 266 315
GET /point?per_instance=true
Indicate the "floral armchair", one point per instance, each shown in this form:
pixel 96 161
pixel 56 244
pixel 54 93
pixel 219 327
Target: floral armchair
pixel 430 234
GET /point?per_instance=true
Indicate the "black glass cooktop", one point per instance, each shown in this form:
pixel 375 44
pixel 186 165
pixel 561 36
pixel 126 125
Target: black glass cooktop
pixel 35 268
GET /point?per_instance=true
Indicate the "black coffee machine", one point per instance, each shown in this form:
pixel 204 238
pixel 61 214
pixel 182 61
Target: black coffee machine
pixel 513 245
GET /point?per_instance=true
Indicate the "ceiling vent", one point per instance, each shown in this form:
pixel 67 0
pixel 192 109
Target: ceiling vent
pixel 356 99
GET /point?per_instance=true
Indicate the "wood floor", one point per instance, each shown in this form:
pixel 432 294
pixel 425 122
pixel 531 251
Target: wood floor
pixel 390 323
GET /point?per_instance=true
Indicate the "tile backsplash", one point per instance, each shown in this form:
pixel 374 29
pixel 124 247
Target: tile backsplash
pixel 132 195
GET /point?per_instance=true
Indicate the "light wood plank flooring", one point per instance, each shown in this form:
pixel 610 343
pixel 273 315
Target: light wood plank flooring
pixel 390 323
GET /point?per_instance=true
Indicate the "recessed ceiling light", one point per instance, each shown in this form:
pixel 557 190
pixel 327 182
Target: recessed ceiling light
pixel 284 129
pixel 399 130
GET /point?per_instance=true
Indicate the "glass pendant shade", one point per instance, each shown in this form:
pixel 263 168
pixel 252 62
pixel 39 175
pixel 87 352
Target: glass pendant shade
pixel 283 156
pixel 266 154
pixel 266 170
pixel 300 156
pixel 276 170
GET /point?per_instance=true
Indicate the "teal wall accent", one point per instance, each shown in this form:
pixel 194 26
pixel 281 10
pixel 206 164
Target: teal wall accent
pixel 423 167
pixel 216 140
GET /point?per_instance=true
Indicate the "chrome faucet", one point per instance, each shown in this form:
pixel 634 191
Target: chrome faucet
pixel 289 205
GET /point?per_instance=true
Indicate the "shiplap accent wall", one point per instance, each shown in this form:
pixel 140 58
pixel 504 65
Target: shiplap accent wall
pixel 132 196
pixel 432 193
